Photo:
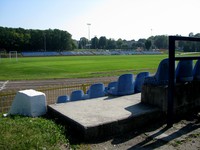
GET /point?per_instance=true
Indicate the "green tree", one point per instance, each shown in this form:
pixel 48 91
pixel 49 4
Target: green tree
pixel 161 41
pixel 102 42
pixel 148 44
pixel 111 44
pixel 94 42
pixel 82 43
pixel 119 43
pixel 33 40
pixel 197 43
pixel 37 40
pixel 141 43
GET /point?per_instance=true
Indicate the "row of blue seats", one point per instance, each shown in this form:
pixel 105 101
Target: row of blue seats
pixel 125 85
pixel 29 54
pixel 107 52
pixel 184 72
pixel 100 52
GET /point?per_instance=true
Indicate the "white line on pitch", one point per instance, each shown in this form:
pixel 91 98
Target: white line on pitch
pixel 3 86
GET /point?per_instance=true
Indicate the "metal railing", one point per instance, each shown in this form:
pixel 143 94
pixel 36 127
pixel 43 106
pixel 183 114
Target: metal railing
pixel 171 84
pixel 51 92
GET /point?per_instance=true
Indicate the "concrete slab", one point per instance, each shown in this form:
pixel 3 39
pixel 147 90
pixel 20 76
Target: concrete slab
pixel 105 116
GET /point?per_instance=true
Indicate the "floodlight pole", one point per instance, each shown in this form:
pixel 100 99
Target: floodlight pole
pixel 44 42
pixel 89 34
pixel 151 39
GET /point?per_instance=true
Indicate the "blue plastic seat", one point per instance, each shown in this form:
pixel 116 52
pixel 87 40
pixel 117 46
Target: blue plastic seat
pixel 124 86
pixel 77 95
pixel 139 81
pixel 184 71
pixel 196 70
pixel 96 90
pixel 63 99
pixel 110 85
pixel 162 75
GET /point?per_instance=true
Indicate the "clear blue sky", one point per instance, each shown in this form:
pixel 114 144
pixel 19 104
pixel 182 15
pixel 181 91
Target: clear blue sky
pixel 126 19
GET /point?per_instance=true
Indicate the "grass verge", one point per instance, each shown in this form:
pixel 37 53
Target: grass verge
pixel 18 132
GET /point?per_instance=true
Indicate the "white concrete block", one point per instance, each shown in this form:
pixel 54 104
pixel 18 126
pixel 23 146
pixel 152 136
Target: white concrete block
pixel 29 103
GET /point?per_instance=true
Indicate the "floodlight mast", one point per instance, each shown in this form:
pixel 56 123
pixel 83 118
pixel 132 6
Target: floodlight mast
pixel 44 42
pixel 89 24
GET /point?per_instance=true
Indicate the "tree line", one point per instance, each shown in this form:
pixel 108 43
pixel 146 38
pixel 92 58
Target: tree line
pixel 20 39
pixel 104 43
pixel 189 46
pixel 153 42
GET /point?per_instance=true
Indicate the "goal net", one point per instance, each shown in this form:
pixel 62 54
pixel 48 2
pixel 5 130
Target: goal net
pixel 13 55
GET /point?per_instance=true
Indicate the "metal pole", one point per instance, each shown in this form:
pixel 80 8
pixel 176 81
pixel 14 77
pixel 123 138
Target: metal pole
pixel 44 42
pixel 170 106
pixel 151 39
pixel 88 34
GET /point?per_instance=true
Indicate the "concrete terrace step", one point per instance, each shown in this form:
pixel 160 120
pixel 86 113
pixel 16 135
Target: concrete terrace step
pixel 105 116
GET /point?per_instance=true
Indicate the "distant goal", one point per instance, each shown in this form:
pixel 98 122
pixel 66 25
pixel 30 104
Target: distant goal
pixel 13 55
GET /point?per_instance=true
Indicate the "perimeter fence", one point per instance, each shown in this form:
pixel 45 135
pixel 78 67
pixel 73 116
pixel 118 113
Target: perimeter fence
pixel 51 92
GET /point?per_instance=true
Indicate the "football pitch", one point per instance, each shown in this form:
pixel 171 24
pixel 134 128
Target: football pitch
pixel 38 68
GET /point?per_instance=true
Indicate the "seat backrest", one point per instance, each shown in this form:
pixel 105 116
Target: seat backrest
pixel 184 71
pixel 196 70
pixel 63 99
pixel 140 80
pixel 96 90
pixel 162 73
pixel 112 84
pixel 126 84
pixel 77 95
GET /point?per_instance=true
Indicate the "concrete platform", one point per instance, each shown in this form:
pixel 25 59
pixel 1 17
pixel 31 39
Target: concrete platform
pixel 105 116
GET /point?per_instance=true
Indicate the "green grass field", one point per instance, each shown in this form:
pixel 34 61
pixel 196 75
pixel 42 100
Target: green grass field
pixel 30 68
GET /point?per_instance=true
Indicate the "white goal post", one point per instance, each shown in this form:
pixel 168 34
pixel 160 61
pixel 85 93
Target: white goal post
pixel 13 54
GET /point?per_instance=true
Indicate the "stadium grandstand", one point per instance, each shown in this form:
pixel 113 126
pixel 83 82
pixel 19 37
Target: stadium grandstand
pixel 89 52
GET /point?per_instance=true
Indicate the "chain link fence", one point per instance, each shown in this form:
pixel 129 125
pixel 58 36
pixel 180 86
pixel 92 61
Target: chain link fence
pixel 51 92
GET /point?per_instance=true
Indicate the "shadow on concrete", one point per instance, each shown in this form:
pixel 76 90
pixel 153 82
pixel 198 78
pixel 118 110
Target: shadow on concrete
pixel 155 143
pixel 110 97
pixel 151 126
pixel 156 140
